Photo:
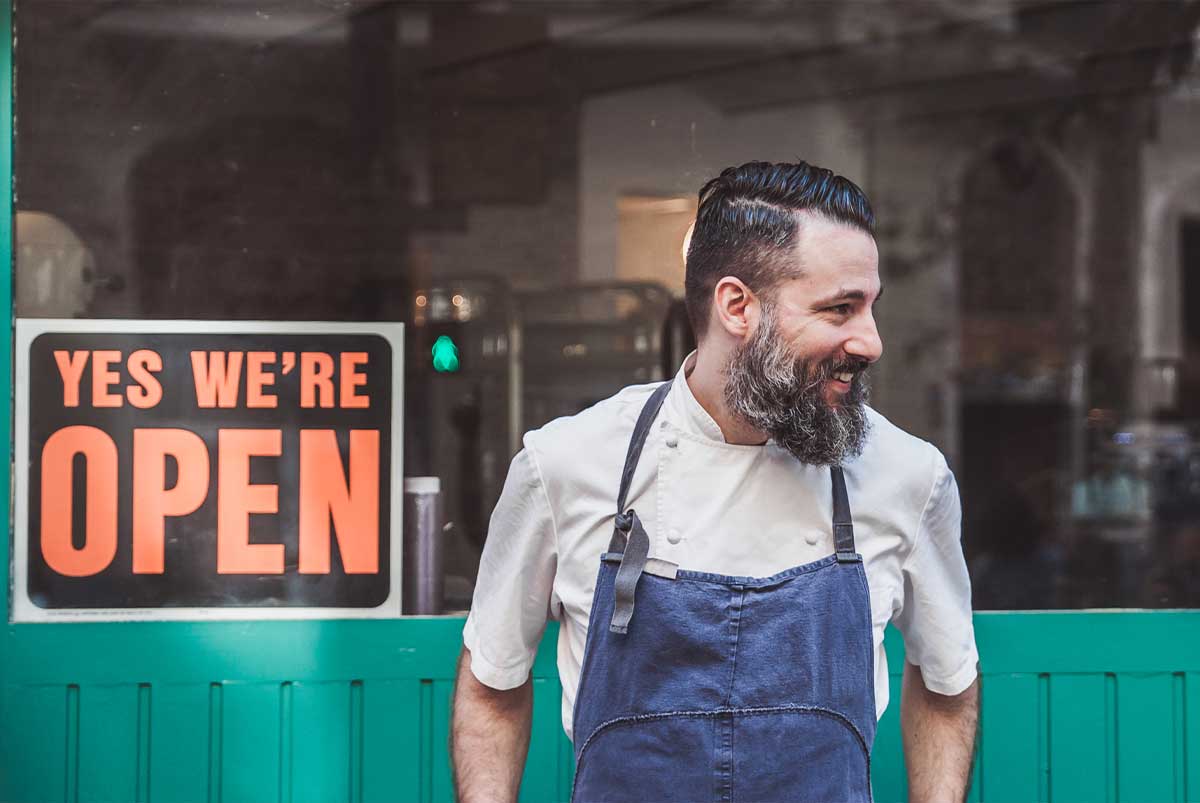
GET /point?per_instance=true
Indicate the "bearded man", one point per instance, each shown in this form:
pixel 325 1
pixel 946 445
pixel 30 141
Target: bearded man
pixel 725 549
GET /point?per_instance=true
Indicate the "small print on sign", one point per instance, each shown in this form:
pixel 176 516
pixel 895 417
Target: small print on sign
pixel 182 469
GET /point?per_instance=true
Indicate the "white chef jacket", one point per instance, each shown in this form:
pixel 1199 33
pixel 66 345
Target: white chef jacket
pixel 718 507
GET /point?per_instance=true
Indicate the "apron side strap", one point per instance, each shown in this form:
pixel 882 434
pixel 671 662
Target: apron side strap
pixel 617 543
pixel 629 536
pixel 843 525
pixel 633 561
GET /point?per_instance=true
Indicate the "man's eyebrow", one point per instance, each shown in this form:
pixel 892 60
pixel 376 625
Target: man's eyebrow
pixel 844 294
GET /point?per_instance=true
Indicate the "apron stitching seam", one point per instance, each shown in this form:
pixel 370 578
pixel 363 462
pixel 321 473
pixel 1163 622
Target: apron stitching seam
pixel 759 583
pixel 592 614
pixel 727 734
pixel 737 633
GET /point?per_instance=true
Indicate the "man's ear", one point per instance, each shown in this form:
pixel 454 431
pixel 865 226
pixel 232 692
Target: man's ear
pixel 735 306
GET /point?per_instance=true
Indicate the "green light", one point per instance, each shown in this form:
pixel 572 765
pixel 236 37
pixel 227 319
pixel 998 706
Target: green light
pixel 445 355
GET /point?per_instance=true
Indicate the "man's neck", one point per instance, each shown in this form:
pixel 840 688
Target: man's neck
pixel 706 378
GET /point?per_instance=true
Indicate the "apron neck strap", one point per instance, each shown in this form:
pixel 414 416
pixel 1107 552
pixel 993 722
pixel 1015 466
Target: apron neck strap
pixel 629 537
pixel 640 431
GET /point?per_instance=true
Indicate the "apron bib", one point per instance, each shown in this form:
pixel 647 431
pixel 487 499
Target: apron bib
pixel 725 688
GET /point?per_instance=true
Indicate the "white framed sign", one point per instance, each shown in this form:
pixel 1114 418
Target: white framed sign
pixel 197 470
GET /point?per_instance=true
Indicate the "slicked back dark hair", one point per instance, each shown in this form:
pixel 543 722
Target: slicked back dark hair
pixel 747 223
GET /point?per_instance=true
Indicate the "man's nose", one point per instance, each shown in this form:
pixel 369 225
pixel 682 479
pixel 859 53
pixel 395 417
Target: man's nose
pixel 865 342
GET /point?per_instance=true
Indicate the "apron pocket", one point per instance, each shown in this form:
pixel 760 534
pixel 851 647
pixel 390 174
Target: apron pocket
pixel 784 753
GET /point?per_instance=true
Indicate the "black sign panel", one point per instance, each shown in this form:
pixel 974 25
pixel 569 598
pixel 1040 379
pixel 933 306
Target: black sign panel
pixel 205 469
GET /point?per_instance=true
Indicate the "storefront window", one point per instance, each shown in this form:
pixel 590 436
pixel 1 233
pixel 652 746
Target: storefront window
pixel 513 181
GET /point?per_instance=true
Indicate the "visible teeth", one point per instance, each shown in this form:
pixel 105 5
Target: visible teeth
pixel 845 376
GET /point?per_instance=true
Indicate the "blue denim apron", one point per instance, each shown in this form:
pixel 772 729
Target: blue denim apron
pixel 725 688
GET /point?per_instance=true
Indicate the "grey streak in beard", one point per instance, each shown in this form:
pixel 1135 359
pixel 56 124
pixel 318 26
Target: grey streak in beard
pixel 777 394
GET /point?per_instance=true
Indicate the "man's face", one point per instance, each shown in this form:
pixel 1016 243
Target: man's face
pixel 800 374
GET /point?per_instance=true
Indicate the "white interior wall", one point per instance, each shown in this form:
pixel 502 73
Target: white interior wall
pixel 1171 183
pixel 1171 190
pixel 669 140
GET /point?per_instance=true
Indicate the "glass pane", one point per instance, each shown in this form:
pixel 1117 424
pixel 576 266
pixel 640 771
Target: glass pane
pixel 513 181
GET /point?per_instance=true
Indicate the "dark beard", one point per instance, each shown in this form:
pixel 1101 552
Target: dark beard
pixel 766 388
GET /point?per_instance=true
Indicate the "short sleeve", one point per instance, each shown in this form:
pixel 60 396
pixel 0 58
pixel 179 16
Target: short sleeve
pixel 516 576
pixel 935 613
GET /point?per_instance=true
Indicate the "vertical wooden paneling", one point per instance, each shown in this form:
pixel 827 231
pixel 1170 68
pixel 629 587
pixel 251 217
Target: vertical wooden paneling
pixel 566 768
pixel 1145 741
pixel 250 742
pixel 540 781
pixel 1191 737
pixel 887 755
pixel 566 757
pixel 285 742
pixel 442 789
pixel 356 737
pixel 1043 718
pixel 72 743
pixel 143 742
pixel 392 740
pixel 108 743
pixel 425 762
pixel 216 706
pixel 320 758
pixel 1013 747
pixel 35 729
pixel 1179 736
pixel 1079 739
pixel 179 743
pixel 1110 718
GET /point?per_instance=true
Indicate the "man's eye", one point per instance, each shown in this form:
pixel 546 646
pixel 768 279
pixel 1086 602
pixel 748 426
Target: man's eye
pixel 841 309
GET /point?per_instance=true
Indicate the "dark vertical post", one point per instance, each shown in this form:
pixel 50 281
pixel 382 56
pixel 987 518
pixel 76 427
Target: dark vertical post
pixel 422 583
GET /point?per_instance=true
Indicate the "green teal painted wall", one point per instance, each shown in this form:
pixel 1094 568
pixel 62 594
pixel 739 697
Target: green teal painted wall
pixel 1095 707
pixel 1088 707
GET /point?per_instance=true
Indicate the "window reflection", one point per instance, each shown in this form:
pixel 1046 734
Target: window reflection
pixel 513 181
pixel 58 270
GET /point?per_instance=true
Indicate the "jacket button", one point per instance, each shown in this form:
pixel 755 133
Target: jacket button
pixel 674 536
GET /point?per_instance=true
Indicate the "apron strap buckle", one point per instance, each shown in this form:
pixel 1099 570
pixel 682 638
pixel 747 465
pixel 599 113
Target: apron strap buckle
pixel 843 543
